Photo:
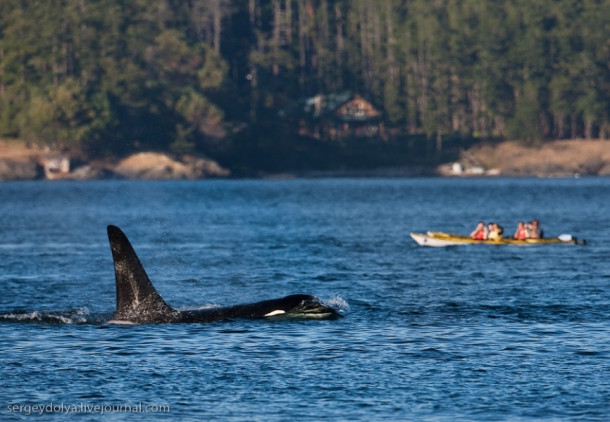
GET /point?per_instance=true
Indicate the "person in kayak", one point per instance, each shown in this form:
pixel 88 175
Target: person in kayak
pixel 500 231
pixel 480 233
pixel 535 230
pixel 522 232
pixel 496 232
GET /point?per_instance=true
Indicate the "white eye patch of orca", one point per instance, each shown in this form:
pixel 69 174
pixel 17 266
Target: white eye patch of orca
pixel 120 322
pixel 276 312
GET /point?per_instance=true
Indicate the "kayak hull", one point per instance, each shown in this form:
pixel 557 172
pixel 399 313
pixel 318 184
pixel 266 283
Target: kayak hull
pixel 440 239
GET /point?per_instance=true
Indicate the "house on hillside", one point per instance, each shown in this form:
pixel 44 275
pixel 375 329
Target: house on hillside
pixel 339 116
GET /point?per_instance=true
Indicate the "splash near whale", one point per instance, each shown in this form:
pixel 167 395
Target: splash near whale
pixel 138 302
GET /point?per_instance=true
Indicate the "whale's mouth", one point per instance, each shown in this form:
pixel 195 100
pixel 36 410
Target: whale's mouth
pixel 313 309
pixel 306 309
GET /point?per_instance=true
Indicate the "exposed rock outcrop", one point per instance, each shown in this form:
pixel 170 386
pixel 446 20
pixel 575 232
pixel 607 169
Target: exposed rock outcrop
pixel 155 166
pixel 562 158
pixel 19 170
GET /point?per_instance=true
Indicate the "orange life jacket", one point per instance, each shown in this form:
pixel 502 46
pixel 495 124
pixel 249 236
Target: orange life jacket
pixel 479 235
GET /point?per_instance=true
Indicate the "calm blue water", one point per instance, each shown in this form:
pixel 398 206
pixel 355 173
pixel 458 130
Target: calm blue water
pixel 462 333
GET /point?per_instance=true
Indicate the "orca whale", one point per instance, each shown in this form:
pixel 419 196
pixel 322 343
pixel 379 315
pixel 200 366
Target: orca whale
pixel 138 302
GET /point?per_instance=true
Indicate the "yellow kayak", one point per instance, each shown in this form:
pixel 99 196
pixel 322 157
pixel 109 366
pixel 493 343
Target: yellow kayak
pixel 439 239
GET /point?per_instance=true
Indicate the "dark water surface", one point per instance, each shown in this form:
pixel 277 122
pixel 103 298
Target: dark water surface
pixel 461 333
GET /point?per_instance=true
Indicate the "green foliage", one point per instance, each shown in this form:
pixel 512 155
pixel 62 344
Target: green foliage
pixel 524 124
pixel 114 76
pixel 60 116
pixel 104 75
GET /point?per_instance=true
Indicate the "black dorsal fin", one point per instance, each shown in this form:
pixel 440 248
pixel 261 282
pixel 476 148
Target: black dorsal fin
pixel 137 300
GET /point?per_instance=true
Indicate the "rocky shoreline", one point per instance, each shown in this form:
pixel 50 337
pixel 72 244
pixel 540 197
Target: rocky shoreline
pixel 564 158
pixel 552 159
pixel 21 163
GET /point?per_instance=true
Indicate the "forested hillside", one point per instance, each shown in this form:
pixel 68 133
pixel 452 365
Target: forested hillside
pixel 112 76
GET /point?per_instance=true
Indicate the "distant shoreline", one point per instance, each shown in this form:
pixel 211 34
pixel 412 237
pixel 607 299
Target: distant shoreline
pixel 564 158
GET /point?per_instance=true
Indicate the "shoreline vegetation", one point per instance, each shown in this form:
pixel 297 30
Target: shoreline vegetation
pixel 300 87
pixel 562 158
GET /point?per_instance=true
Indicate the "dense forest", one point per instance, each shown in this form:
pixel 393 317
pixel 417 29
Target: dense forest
pixel 113 76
